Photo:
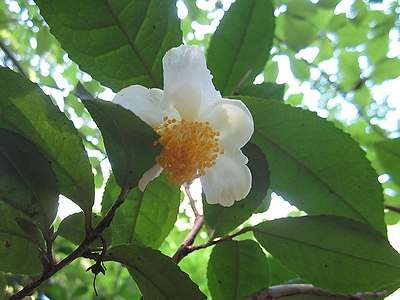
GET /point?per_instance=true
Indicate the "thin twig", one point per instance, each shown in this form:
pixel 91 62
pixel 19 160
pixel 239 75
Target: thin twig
pixel 287 290
pixel 191 201
pixel 187 243
pixel 185 247
pixel 11 57
pixel 392 208
pixel 79 252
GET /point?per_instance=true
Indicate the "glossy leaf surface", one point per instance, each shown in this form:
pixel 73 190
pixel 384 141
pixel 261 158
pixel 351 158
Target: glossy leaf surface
pixel 27 180
pixel 128 141
pixel 155 273
pixel 240 47
pixel 146 218
pixel 314 165
pixel 26 110
pixel 19 254
pixel 237 269
pixel 354 257
pixel 118 42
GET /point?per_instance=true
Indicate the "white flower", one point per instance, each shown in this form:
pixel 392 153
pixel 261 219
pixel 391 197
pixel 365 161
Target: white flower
pixel 201 132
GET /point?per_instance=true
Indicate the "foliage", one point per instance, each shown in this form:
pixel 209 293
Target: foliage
pixel 325 166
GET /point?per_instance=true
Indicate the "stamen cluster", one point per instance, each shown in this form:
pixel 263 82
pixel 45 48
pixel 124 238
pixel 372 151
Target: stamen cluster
pixel 189 148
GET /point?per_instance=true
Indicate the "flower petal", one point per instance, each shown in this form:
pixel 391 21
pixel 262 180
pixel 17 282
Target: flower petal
pixel 145 103
pixel 229 180
pixel 187 81
pixel 149 176
pixel 233 120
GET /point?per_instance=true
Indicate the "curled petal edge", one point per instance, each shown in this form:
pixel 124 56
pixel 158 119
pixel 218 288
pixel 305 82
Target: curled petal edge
pixel 148 176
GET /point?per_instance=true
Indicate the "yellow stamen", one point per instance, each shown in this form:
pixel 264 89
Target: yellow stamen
pixel 189 148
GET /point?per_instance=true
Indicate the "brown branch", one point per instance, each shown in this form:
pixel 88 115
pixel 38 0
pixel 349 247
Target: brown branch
pixel 187 243
pixel 186 246
pixel 191 201
pixel 11 57
pixel 287 290
pixel 392 208
pixel 79 252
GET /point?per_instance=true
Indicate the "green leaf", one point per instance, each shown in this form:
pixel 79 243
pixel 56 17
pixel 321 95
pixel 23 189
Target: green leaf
pixel 119 43
pixel 362 97
pixel 349 67
pixel 279 273
pixel 237 269
pixel 19 255
pixel 241 43
pixel 300 68
pixel 328 4
pixel 26 110
pixel 155 274
pixel 32 231
pixel 128 141
pixel 147 217
pixel 82 93
pixel 220 220
pixel 271 71
pixel 3 285
pixel 27 180
pixel 265 90
pixel 314 165
pixel 325 50
pixel 72 228
pixel 295 26
pixel 388 155
pixel 331 252
pixel 351 34
pixel 377 49
pixel 295 99
pixel 386 69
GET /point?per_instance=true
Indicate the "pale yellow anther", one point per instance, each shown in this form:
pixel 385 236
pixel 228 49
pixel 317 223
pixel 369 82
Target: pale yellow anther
pixel 189 148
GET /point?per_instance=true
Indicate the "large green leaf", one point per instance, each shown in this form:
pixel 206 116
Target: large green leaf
pixel 146 217
pixel 155 274
pixel 388 154
pixel 118 42
pixel 331 252
pixel 241 44
pixel 19 254
pixel 220 220
pixel 237 269
pixel 26 110
pixel 128 141
pixel 314 165
pixel 27 180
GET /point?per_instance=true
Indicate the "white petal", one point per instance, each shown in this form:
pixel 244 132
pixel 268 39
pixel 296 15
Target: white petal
pixel 233 120
pixel 145 103
pixel 149 176
pixel 227 181
pixel 187 81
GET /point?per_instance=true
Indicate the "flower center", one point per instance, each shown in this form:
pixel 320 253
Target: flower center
pixel 189 148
